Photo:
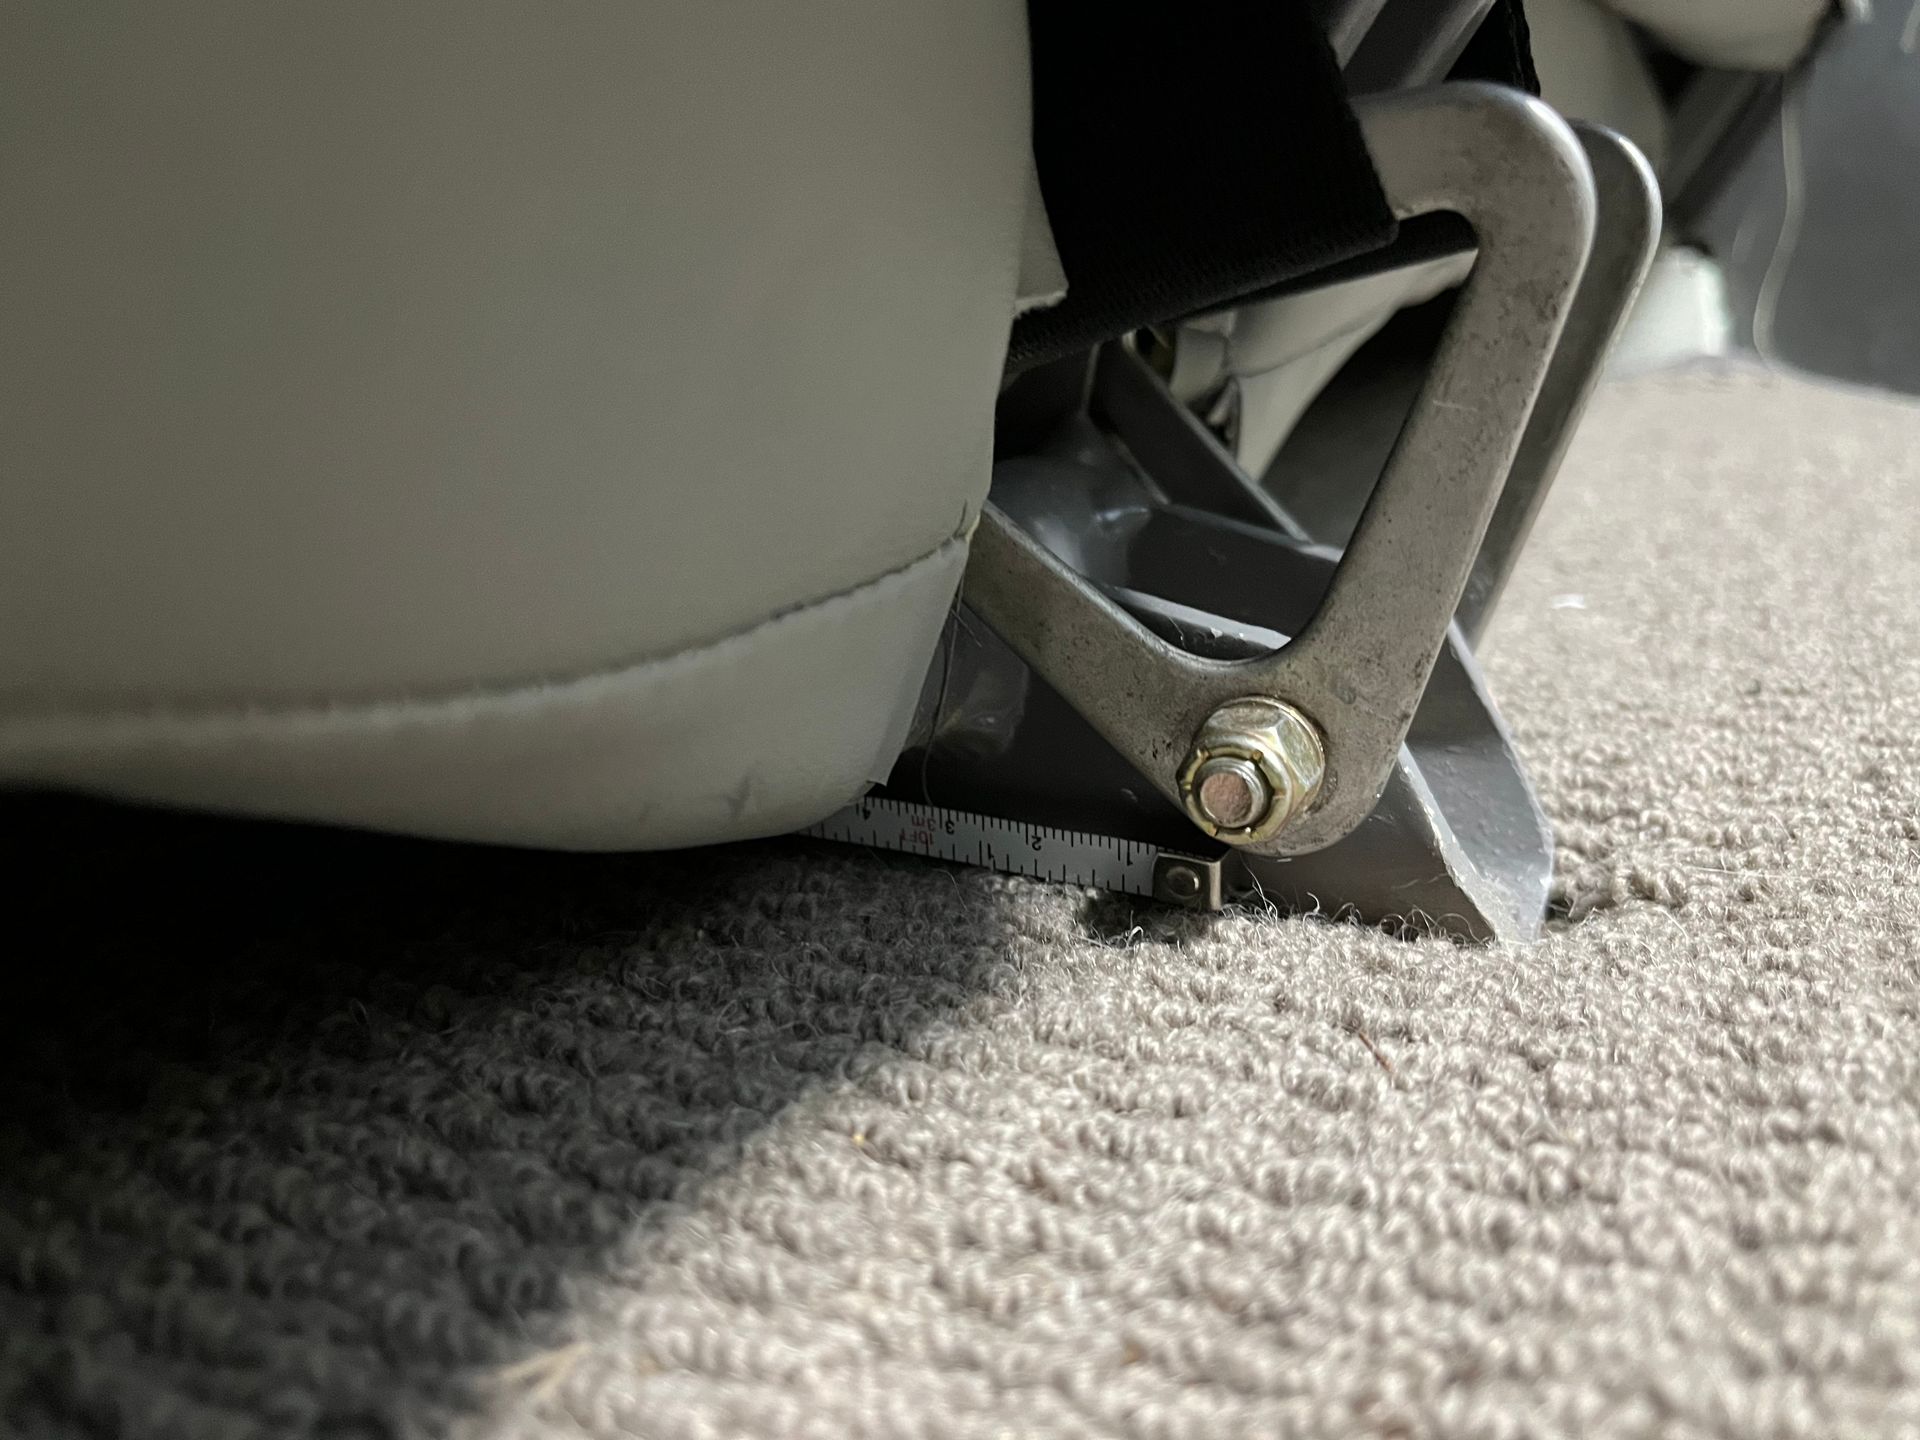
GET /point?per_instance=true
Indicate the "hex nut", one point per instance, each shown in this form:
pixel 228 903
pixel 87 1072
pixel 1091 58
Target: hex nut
pixel 1255 764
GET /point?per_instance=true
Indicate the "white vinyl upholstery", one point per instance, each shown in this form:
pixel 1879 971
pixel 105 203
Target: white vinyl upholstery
pixel 544 424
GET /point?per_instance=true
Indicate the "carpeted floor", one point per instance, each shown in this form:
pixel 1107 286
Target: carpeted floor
pixel 315 1135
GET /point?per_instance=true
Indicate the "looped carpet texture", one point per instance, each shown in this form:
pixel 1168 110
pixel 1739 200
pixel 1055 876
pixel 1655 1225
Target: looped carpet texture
pixel 309 1134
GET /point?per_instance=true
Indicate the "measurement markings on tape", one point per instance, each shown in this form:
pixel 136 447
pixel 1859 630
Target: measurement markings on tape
pixel 1016 847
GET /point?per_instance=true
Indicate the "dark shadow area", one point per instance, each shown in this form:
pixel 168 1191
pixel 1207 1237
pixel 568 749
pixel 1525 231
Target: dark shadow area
pixel 1326 470
pixel 302 1131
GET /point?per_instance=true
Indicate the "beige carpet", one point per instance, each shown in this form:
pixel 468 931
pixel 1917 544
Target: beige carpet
pixel 311 1135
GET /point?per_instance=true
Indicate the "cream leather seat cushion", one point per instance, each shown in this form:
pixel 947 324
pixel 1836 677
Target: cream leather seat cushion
pixel 1282 352
pixel 548 424
pixel 1730 34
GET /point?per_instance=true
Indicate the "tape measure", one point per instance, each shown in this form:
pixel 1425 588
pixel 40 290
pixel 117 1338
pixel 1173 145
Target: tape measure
pixel 1021 847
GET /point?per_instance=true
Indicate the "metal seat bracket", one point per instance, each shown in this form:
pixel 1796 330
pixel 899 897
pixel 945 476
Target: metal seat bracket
pixel 1519 176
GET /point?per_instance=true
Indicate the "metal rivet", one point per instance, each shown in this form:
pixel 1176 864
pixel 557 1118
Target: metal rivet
pixel 1181 881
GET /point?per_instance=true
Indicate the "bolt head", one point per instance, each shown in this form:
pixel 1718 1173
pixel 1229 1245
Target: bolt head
pixel 1231 792
pixel 1255 764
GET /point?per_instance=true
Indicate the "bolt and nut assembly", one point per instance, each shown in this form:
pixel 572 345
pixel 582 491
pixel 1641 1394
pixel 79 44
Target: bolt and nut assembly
pixel 1255 764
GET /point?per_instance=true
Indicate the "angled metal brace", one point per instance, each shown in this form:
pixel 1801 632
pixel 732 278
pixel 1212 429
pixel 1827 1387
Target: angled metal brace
pixel 1519 177
pixel 1623 246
